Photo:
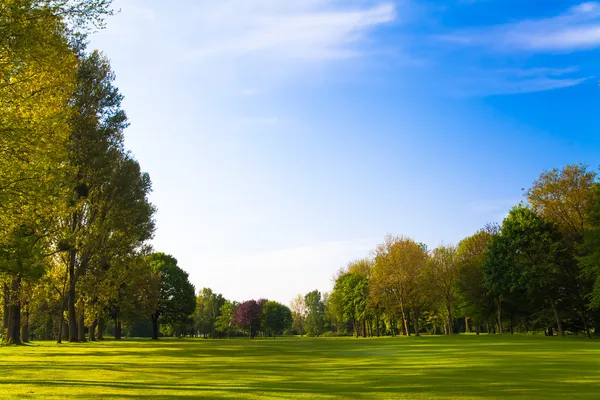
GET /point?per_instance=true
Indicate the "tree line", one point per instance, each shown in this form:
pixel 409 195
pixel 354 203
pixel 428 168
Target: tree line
pixel 538 271
pixel 75 218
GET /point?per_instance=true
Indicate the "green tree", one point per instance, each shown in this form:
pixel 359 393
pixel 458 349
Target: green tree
pixel 471 252
pixel 315 316
pixel 443 275
pixel 524 260
pixel 208 309
pixel 224 322
pixel 275 318
pixel 173 297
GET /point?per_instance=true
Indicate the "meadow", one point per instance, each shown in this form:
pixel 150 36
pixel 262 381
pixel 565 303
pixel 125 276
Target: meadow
pixel 457 367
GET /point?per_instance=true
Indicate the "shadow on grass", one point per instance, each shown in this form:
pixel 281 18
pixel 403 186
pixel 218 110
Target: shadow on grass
pixel 486 368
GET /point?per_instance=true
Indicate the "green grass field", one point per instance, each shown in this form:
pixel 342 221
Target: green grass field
pixel 460 367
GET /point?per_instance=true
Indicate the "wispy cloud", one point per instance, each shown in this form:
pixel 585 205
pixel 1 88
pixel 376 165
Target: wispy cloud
pixel 578 28
pixel 517 80
pixel 302 30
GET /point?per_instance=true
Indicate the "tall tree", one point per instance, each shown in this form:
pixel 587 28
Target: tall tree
pixel 208 309
pixel 173 297
pixel 315 316
pixel 399 263
pixel 524 262
pixel 563 197
pixel 471 252
pixel 299 311
pixel 443 275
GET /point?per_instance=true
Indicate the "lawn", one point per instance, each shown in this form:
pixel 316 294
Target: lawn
pixel 459 367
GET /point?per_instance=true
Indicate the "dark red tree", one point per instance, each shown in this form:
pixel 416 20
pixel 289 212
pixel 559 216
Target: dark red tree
pixel 247 317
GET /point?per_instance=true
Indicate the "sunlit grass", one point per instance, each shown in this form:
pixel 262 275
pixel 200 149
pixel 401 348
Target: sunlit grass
pixel 459 367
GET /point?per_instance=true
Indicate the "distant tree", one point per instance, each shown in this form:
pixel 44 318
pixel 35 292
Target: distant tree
pixel 224 323
pixel 315 317
pixel 399 264
pixel 524 260
pixel 275 318
pixel 299 311
pixel 475 301
pixel 247 317
pixel 208 309
pixel 173 300
pixel 443 274
pixel 564 197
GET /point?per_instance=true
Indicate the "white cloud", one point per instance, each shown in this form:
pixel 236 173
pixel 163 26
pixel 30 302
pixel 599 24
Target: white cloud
pixel 302 30
pixel 517 80
pixel 576 29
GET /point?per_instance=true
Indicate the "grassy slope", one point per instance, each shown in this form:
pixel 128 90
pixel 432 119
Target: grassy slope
pixel 460 367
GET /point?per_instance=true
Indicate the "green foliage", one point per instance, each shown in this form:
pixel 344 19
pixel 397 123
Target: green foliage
pixel 315 317
pixel 208 310
pixel 590 259
pixel 275 318
pixel 173 298
pixel 471 252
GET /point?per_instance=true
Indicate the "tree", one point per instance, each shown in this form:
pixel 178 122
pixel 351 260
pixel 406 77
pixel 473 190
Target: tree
pixel 523 262
pixel 399 262
pixel 224 323
pixel 443 275
pixel 471 253
pixel 590 259
pixel 315 316
pixel 299 311
pixel 208 309
pixel 247 317
pixel 275 318
pixel 173 296
pixel 564 198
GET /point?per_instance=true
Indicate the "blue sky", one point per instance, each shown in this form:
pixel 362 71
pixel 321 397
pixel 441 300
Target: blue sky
pixel 285 139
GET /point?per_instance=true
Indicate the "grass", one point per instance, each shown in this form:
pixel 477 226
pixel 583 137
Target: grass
pixel 459 367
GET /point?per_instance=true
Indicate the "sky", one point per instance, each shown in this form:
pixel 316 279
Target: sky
pixel 287 138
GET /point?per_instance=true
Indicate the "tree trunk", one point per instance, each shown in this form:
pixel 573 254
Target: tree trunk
pixel 25 325
pixel 72 316
pixel 477 328
pixel 117 329
pixel 585 325
pixel 377 322
pixel 364 328
pixel 100 328
pixel 155 326
pixel 405 319
pixel 93 330
pixel 14 313
pixel 550 331
pixel 487 327
pixel 561 332
pixel 81 325
pixel 499 315
pixel 5 303
pixel 467 328
pixel 65 330
pixel 450 320
pixel 416 324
